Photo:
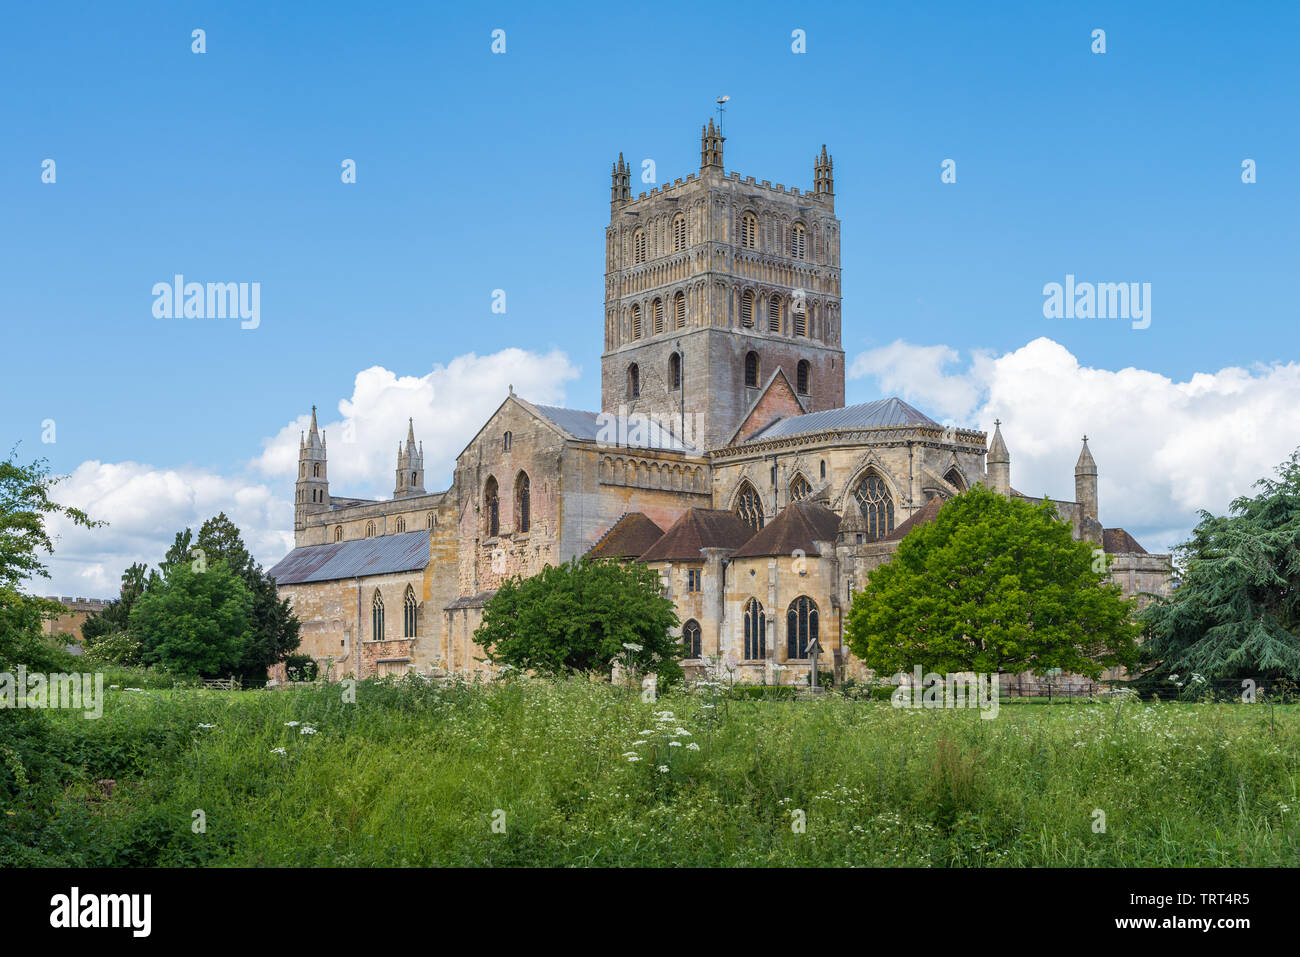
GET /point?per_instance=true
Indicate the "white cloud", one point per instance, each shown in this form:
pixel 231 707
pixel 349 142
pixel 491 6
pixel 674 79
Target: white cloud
pixel 1164 449
pixel 147 505
pixel 449 405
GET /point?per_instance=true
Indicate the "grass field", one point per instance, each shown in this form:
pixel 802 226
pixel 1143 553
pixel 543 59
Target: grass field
pixel 533 772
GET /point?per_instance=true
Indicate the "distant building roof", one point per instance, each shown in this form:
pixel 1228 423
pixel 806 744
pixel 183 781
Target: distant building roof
pixel 926 513
pixel 1116 541
pixel 797 527
pixel 470 601
pixel 867 415
pixel 635 430
pixel 698 528
pixel 629 537
pixel 381 555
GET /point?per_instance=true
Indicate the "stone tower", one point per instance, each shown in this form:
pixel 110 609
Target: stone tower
pixel 712 283
pixel 312 491
pixel 998 462
pixel 410 466
pixel 1085 493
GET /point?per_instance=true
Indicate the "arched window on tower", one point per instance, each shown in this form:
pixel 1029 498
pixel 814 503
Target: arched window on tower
pixel 798 241
pixel 523 503
pixel 679 232
pixel 409 610
pixel 377 617
pixel 747 308
pixel 749 507
pixel 679 310
pixel 800 322
pixel 638 246
pixel 749 231
pixel 877 505
pixel 633 381
pixel 315 470
pixel 751 370
pixel 636 320
pixel 659 316
pixel 755 631
pixel 691 638
pixel 801 377
pixel 492 507
pixel 800 489
pixel 675 371
pixel 774 314
pixel 800 627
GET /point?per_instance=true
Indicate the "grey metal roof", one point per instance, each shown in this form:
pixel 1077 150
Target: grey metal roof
pixel 588 427
pixel 868 415
pixel 382 555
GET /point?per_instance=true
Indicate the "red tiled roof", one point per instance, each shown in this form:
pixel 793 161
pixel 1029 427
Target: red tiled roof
pixel 627 538
pixel 926 513
pixel 796 528
pixel 698 528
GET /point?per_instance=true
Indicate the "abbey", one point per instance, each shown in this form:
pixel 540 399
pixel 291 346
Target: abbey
pixel 760 498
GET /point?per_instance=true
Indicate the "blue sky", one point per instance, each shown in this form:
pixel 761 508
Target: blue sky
pixel 478 171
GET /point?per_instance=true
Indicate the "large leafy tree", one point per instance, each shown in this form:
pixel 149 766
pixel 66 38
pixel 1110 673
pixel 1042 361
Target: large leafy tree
pixel 992 584
pixel 105 634
pixel 1236 610
pixel 579 616
pixel 195 621
pixel 25 544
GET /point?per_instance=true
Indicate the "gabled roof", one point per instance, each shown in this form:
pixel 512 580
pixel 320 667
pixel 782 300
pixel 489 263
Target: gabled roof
pixel 629 537
pixel 776 397
pixel 1116 541
pixel 642 430
pixel 382 555
pixel 926 513
pixel 798 526
pixel 868 415
pixel 698 528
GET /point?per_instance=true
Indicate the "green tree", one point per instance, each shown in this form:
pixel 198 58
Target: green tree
pixel 1236 610
pixel 992 584
pixel 195 622
pixel 113 620
pixel 579 616
pixel 275 627
pixel 24 544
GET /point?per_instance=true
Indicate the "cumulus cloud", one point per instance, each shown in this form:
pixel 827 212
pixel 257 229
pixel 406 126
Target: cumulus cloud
pixel 1164 448
pixel 146 505
pixel 449 405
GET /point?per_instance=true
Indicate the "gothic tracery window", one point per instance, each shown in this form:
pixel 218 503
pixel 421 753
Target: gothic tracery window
pixel 877 505
pixel 749 507
pixel 409 608
pixel 755 631
pixel 800 489
pixel 800 627
pixel 953 478
pixel 370 529
pixel 377 617
pixel 691 638
pixel 401 525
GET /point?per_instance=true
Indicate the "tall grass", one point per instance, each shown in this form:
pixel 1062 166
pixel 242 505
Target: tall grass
pixel 534 772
